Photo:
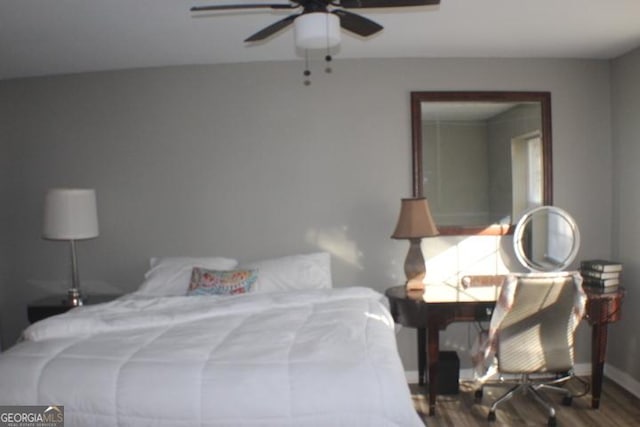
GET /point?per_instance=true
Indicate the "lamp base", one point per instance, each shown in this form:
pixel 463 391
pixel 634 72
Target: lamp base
pixel 74 298
pixel 415 284
pixel 414 266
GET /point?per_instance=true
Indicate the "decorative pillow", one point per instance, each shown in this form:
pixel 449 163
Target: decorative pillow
pixel 296 272
pixel 170 276
pixel 218 282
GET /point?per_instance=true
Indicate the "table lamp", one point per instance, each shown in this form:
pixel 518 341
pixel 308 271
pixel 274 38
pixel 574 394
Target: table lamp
pixel 71 214
pixel 414 223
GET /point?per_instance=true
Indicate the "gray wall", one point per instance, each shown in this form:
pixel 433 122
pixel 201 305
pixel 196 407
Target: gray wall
pixel 4 202
pixel 243 160
pixel 624 339
pixel 455 163
pixel 4 175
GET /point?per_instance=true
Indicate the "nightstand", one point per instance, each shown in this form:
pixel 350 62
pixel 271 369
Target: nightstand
pixel 57 304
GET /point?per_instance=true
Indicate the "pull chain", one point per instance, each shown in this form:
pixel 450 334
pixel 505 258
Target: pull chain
pixel 307 72
pixel 328 58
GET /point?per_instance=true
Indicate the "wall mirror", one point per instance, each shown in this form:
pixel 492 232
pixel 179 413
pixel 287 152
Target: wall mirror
pixel 481 158
pixel 546 239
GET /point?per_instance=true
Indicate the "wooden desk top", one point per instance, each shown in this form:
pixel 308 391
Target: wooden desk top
pixel 481 291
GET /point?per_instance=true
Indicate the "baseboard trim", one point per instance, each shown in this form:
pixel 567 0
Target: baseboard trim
pixel 620 377
pixel 581 369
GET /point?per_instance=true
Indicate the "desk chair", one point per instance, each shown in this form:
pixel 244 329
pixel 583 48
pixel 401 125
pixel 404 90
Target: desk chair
pixel 532 331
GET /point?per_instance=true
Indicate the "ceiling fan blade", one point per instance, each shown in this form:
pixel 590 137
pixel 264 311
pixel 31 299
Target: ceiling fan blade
pixel 272 29
pixel 242 6
pixel 353 4
pixel 357 24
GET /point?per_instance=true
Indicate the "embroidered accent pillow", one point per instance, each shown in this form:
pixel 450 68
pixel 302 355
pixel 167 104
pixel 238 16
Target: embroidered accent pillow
pixel 221 282
pixel 169 276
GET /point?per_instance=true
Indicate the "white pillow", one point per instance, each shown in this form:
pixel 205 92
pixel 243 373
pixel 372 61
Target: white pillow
pixel 295 272
pixel 170 276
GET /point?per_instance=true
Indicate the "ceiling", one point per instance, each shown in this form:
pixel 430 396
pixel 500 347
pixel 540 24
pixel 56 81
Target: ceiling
pixel 46 37
pixel 465 111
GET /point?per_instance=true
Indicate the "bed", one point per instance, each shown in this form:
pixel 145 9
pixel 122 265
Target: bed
pixel 309 356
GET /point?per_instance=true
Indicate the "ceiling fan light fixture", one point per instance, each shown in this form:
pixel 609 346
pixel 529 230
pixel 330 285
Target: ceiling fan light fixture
pixel 317 30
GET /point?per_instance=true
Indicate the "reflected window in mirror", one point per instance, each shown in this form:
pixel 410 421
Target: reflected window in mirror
pixel 481 158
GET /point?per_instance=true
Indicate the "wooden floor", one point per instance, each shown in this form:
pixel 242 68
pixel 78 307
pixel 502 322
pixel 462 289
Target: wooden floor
pixel 618 408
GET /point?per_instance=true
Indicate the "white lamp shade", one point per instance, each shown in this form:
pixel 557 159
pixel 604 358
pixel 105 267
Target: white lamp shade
pixel 317 30
pixel 70 214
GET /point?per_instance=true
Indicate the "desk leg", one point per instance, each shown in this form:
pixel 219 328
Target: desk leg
pixel 434 350
pixel 422 354
pixel 598 349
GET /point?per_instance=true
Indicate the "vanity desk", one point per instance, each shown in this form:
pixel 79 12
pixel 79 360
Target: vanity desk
pixel 546 239
pixel 439 305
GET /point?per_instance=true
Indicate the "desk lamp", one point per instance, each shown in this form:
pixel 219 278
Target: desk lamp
pixel 71 214
pixel 414 223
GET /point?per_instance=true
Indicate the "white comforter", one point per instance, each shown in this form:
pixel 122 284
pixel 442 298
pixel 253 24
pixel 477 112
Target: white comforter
pixel 314 358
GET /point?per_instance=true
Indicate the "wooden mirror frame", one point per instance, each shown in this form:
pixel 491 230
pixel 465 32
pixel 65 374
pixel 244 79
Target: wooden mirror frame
pixel 544 98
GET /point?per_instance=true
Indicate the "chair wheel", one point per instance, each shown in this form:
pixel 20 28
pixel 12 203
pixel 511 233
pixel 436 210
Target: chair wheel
pixel 552 422
pixel 491 416
pixel 567 400
pixel 477 396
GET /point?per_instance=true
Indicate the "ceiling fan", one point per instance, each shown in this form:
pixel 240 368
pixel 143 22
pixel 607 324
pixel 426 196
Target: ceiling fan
pixel 329 15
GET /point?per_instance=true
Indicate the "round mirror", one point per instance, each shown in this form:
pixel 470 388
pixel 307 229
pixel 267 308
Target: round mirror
pixel 546 239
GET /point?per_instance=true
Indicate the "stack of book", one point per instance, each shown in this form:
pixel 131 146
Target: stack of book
pixel 599 273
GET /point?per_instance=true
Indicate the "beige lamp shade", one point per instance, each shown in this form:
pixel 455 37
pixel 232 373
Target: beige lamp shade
pixel 415 220
pixel 70 214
